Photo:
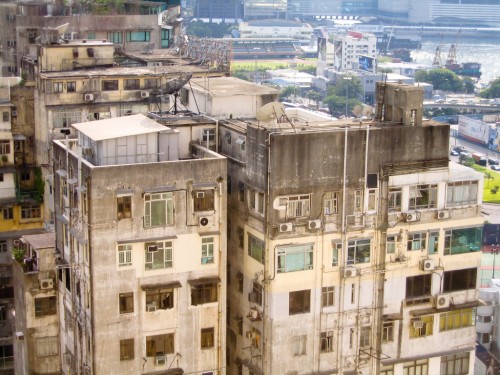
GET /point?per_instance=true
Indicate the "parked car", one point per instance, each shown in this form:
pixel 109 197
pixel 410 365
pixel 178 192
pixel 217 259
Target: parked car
pixel 453 153
pixel 453 101
pixel 492 161
pixel 495 167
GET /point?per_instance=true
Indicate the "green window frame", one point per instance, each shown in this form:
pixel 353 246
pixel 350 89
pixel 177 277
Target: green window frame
pixel 256 248
pixel 138 36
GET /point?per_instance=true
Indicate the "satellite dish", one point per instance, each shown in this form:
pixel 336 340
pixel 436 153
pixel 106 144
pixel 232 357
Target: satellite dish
pixel 270 111
pixel 174 85
pixel 62 29
pixel 367 111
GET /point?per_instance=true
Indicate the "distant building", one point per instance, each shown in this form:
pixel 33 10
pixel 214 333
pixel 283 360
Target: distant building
pixel 266 29
pixel 348 48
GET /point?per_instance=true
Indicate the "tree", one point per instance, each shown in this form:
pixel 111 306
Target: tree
pixel 336 105
pixel 493 91
pixel 421 76
pixel 444 79
pixel 287 92
pixel 468 84
pixel 347 87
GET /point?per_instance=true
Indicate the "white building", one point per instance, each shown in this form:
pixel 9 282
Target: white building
pixel 299 31
pixel 140 235
pixel 348 48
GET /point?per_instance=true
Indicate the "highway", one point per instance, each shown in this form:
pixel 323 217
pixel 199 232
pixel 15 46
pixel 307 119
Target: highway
pixel 462 105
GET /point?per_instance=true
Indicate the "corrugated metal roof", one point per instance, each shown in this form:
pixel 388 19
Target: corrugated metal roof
pixel 118 127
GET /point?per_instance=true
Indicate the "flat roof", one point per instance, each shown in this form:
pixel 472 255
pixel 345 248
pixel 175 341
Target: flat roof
pixel 230 86
pixel 118 127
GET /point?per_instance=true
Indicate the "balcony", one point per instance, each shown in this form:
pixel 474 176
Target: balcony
pixel 28 196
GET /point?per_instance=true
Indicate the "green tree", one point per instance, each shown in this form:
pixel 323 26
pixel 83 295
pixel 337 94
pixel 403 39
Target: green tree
pixel 337 105
pixel 444 79
pixel 351 88
pixel 287 92
pixel 493 91
pixel 468 84
pixel 421 76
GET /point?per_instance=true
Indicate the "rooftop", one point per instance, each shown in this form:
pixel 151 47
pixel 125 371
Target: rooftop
pixel 118 127
pixel 230 86
pixel 41 241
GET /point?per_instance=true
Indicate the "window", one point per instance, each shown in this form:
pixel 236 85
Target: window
pixel 256 248
pixel 455 364
pixel 203 293
pixel 387 370
pixel 58 87
pixel 364 337
pixel 241 191
pixel 207 250
pixel 124 255
pixel 91 35
pixel 3 248
pixel 1 177
pixel 126 302
pixel 124 207
pixel 358 251
pixel 241 236
pixel 71 86
pixel 25 175
pixel 433 242
pixel 151 83
pixel 461 193
pixel 418 286
pixel 111 85
pixel 158 255
pixel 331 203
pixel 336 249
pixel 31 212
pixel 299 302
pixel 132 84
pixel 457 319
pixel 8 213
pixel 161 298
pixel 158 210
pixel 255 295
pixel 159 345
pixel 326 343
pixel 295 258
pixel 297 205
pixel 126 349
pixel 422 196
pixel 207 338
pixel 391 244
pixel 358 201
pixel 228 138
pixel 416 241
pixel 459 280
pixel 420 367
pixel 388 331
pixel 4 147
pixel 165 36
pixel 47 346
pixel 372 199
pixel 208 135
pixel 204 200
pixel 465 240
pixel 115 37
pixel 63 119
pixel 256 201
pixel 5 116
pixel 45 306
pixel 242 142
pixel 422 326
pixel 138 36
pixel 299 345
pixel 327 296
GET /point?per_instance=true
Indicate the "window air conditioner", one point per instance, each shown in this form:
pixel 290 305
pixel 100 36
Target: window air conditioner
pixel 428 265
pixel 441 215
pixel 286 227
pixel 160 359
pixel 152 248
pixel 46 284
pixel 350 271
pixel 442 301
pixel 88 97
pixel 410 216
pixel 418 324
pixel 314 224
pixel 150 307
pixel 254 314
pixel 144 94
pixel 200 194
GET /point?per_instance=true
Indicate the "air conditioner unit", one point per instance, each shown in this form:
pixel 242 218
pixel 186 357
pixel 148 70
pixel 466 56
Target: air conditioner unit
pixel 427 265
pixel 250 335
pixel 19 335
pixel 88 97
pixel 350 271
pixel 418 324
pixel 14 113
pixel 160 360
pixel 205 221
pixel 200 194
pixel 31 35
pixel 152 248
pixel 254 314
pixel 286 227
pixel 314 224
pixel 46 284
pixel 144 94
pixel 441 215
pixel 410 216
pixel 442 301
pixel 87 151
pixel 150 308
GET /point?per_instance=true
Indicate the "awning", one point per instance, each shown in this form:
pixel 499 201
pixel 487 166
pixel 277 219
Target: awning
pixel 171 284
pixel 393 361
pixel 433 310
pixel 62 172
pixel 18 137
pixel 172 371
pixel 63 219
pixel 121 192
pixel 72 181
pixel 149 239
pixel 204 280
pixel 160 189
pixel 205 185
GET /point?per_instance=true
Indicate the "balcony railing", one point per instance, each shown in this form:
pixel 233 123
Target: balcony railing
pixel 28 196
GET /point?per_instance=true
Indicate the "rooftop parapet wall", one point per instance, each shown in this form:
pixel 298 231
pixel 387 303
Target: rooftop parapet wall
pixel 399 103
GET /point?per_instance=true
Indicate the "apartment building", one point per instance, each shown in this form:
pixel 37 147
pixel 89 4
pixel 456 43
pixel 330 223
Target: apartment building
pixel 140 235
pixel 36 339
pixel 353 246
pixel 348 48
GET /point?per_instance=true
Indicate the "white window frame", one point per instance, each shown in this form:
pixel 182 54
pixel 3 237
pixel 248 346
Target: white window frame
pixel 164 250
pixel 124 255
pixel 207 250
pixel 297 205
pixel 299 345
pixel 326 344
pixel 395 199
pixel 358 201
pixel 307 251
pixel 462 193
pixel 417 241
pixel 331 203
pixel 371 203
pixel 336 250
pixel 256 201
pixel 168 200
pixel 353 245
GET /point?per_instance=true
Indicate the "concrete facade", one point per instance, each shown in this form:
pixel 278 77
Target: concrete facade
pixel 142 250
pixel 346 244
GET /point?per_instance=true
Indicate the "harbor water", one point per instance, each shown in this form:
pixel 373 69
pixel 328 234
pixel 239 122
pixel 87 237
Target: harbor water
pixel 484 51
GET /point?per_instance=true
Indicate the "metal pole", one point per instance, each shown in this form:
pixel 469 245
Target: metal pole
pixel 494 251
